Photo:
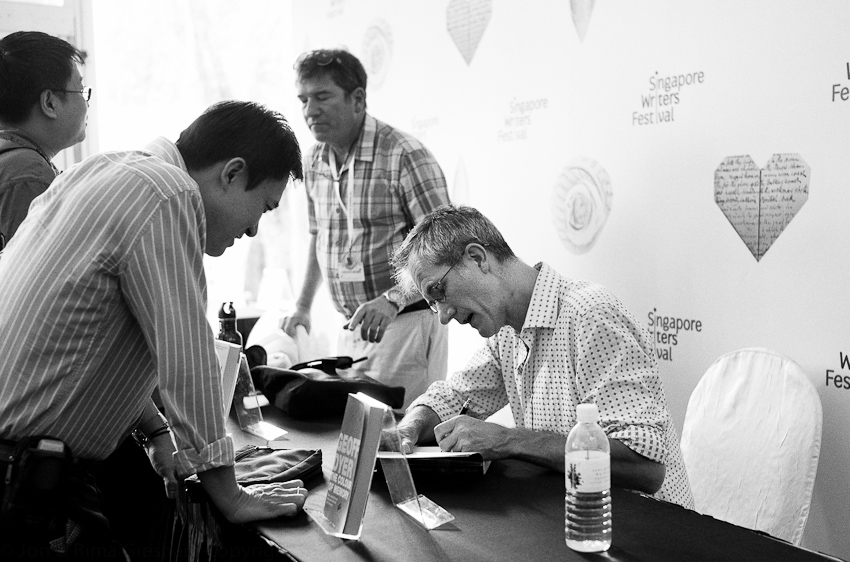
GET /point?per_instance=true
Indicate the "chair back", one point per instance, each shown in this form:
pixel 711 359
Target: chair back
pixel 751 442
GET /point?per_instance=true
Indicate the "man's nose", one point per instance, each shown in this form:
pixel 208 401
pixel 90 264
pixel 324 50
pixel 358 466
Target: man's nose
pixel 445 312
pixel 311 108
pixel 252 231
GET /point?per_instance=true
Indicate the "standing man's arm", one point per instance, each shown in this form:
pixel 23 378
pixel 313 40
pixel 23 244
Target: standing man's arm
pixel 312 281
pixel 421 189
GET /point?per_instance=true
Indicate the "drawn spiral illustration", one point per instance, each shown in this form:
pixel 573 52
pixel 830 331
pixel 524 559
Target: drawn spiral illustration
pixel 377 52
pixel 581 202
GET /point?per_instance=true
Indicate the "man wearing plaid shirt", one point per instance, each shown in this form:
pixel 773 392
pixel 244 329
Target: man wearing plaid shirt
pixel 367 184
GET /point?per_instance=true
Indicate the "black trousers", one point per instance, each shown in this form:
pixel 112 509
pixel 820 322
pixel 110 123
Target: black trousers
pixel 82 503
pixel 122 505
pixel 144 520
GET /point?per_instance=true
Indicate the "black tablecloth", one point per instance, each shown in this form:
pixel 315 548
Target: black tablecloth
pixel 514 512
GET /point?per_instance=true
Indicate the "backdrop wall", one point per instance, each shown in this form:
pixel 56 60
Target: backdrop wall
pixel 691 156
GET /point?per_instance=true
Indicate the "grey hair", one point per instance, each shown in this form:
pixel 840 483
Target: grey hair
pixel 441 237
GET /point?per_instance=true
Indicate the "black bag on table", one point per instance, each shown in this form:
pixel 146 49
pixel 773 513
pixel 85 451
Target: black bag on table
pixel 320 388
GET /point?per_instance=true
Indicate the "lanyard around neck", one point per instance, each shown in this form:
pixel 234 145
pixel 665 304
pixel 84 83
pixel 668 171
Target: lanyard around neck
pixel 346 209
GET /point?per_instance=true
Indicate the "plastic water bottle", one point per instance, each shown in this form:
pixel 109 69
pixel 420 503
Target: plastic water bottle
pixel 588 478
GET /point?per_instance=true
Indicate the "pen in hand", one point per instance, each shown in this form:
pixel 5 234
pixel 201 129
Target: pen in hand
pixel 465 408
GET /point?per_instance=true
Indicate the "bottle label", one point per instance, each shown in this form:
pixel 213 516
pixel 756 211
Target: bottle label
pixel 588 471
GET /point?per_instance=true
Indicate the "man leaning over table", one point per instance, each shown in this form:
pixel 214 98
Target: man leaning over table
pixel 103 298
pixel 552 343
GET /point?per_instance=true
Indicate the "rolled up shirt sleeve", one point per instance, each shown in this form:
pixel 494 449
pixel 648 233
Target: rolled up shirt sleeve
pixel 615 372
pixel 481 381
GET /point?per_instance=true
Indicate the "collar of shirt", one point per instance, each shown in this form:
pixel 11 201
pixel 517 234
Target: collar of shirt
pixel 543 309
pixel 163 148
pixel 14 136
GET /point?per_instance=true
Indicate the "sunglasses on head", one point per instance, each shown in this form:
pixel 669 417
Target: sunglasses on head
pixel 321 57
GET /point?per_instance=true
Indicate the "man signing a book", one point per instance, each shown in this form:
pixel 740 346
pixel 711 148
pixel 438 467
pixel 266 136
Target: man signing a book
pixel 552 343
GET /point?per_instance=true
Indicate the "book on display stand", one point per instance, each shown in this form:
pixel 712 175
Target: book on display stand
pixel 366 423
pixel 238 391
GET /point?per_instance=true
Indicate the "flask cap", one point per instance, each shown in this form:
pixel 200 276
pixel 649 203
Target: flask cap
pixel 227 312
pixel 587 413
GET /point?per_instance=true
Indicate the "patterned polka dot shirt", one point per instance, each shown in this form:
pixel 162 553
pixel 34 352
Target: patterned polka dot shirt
pixel 578 344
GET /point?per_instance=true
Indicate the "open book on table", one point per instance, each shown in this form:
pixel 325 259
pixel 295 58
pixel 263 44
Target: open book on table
pixel 431 460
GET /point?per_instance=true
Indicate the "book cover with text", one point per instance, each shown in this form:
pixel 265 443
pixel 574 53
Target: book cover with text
pixel 354 463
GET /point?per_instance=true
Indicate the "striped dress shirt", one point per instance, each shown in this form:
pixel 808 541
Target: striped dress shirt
pixel 102 299
pixel 397 181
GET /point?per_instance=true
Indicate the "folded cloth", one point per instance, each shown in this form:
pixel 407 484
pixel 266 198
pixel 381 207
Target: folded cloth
pixel 311 393
pixel 254 465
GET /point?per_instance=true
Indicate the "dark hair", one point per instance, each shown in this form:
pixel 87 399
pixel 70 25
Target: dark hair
pixel 30 63
pixel 441 237
pixel 231 129
pixel 345 69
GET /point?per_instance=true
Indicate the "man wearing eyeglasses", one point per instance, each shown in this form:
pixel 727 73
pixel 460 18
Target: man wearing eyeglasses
pixel 367 185
pixel 552 343
pixel 43 108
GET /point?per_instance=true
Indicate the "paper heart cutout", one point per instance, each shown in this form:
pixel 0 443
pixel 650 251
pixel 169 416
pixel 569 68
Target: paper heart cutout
pixel 466 21
pixel 760 203
pixel 581 10
pixel 581 203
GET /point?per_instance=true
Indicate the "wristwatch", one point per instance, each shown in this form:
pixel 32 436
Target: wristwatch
pixel 395 296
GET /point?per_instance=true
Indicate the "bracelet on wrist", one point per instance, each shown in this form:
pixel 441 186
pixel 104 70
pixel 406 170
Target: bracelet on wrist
pixel 157 432
pixel 144 439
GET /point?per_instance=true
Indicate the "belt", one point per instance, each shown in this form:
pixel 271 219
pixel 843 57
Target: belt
pixel 7 450
pixel 418 305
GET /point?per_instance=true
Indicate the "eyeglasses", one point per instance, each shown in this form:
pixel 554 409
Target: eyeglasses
pixel 436 292
pixel 322 57
pixel 85 91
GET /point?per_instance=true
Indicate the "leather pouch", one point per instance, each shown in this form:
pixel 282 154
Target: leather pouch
pixel 34 471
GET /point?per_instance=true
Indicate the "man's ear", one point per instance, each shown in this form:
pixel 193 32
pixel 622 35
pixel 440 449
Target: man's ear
pixel 478 254
pixel 359 96
pixel 47 104
pixel 233 170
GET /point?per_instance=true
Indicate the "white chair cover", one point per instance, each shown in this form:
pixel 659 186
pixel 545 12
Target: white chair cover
pixel 751 441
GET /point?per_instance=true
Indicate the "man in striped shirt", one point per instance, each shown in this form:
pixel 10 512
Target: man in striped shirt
pixel 103 299
pixel 367 185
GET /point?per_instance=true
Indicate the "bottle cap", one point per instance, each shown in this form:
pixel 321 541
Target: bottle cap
pixel 227 311
pixel 587 413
